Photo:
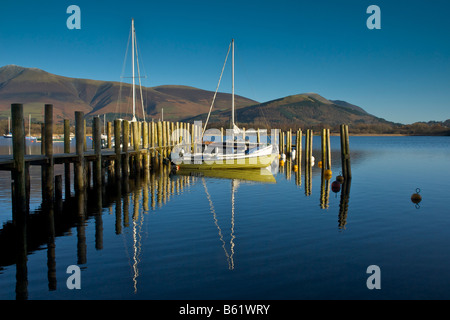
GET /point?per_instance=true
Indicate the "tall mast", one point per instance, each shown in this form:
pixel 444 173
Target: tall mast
pixel 232 85
pixel 132 62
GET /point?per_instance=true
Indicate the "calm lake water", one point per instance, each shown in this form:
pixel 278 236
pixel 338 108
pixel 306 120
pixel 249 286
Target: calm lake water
pixel 197 237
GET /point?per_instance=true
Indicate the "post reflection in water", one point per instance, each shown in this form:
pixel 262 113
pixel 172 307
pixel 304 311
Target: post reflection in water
pixel 135 196
pixel 216 222
pixel 325 187
pixel 24 235
pixel 324 192
pixel 343 205
pixel 308 179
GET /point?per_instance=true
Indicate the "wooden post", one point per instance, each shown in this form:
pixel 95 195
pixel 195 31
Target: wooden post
pixel 125 141
pixel 67 150
pixel 97 141
pixel 159 135
pixel 48 193
pixel 136 137
pixel 324 151
pixel 145 139
pixel 289 142
pixel 347 153
pixel 108 135
pixel 66 136
pixel 152 140
pixel 135 128
pixel 79 148
pixel 328 149
pixel 298 147
pixel 18 173
pixel 164 138
pixel 117 139
pixel 307 147
pixel 171 142
pixel 167 143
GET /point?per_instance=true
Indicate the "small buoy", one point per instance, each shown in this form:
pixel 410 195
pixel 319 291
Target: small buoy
pixel 416 197
pixel 293 153
pixel 283 156
pixel 328 174
pixel 295 168
pixel 340 179
pixel 336 187
pixel 319 164
pixel 281 163
pixel 279 156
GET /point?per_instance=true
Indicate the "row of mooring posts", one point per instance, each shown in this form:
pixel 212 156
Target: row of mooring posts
pixel 295 151
pixel 291 171
pixel 342 183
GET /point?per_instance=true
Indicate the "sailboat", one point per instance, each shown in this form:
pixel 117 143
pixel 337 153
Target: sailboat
pixel 232 154
pixel 134 63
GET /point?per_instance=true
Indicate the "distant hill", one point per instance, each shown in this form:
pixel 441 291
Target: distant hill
pixel 302 110
pixel 35 87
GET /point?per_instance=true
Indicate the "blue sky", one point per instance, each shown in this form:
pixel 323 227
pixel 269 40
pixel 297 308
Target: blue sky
pixel 400 72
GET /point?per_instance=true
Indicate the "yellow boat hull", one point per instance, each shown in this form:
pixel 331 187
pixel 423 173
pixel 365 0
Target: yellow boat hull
pixel 243 163
pixel 256 175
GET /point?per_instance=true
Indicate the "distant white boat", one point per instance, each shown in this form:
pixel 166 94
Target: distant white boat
pixel 29 137
pixel 8 135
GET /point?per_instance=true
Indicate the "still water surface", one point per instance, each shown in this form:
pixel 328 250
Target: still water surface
pixel 196 237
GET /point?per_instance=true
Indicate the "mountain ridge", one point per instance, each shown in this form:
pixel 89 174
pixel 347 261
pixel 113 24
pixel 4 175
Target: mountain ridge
pixel 300 110
pixel 34 87
pixel 94 97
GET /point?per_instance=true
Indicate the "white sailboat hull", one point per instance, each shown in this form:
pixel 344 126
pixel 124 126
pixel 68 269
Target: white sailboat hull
pixel 257 157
